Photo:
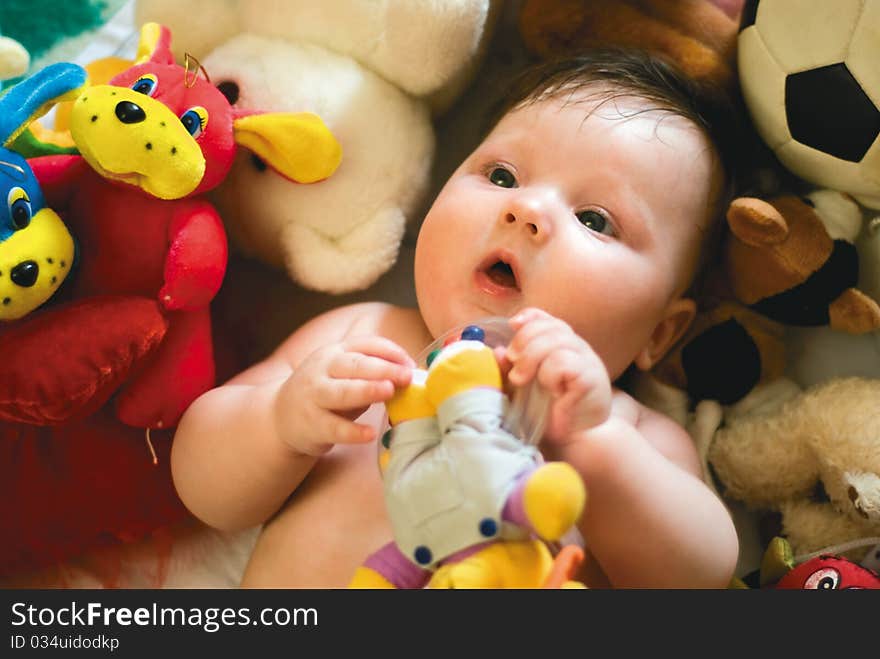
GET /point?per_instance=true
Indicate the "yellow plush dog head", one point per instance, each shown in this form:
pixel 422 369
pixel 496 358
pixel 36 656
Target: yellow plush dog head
pixel 166 129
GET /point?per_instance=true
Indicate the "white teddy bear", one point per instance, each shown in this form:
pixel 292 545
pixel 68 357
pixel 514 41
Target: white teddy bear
pixel 376 71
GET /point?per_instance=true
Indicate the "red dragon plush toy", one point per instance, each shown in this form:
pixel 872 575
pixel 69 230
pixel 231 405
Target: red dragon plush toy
pixel 128 346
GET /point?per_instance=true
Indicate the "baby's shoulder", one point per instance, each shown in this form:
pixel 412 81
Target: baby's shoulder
pixel 399 324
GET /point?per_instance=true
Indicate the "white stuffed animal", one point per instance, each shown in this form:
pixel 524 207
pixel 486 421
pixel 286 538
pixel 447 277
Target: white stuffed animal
pixel 376 71
pixel 14 59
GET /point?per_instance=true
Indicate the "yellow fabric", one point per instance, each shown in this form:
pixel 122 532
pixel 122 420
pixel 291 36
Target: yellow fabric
pixel 299 146
pixel 553 499
pixel 777 561
pixel 365 577
pixel 172 166
pixel 512 564
pixel 150 35
pixel 47 242
pixel 409 403
pixel 100 72
pixel 461 371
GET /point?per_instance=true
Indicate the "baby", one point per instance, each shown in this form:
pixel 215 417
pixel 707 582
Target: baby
pixel 583 217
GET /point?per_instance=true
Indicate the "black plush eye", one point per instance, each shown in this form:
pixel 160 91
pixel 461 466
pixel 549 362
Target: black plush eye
pixel 20 211
pixel 145 85
pixel 502 177
pixel 825 579
pixel 595 221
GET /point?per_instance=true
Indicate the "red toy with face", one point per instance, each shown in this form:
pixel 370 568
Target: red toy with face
pixel 131 346
pixel 829 573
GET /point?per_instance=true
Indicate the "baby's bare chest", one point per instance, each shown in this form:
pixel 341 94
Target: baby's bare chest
pixel 334 520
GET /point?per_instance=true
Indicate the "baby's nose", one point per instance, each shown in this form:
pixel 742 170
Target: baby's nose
pixel 533 213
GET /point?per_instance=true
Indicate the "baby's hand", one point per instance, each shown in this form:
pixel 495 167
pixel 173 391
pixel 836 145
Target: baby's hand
pixel 546 349
pixel 318 403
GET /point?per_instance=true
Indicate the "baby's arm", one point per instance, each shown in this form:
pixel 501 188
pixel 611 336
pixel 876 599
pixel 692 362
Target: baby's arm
pixel 650 521
pixel 242 448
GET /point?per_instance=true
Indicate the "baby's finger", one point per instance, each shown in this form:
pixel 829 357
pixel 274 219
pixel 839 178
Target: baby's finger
pixel 527 315
pixel 527 361
pixel 531 330
pixel 359 366
pixel 563 371
pixel 337 430
pixel 343 395
pixel 379 346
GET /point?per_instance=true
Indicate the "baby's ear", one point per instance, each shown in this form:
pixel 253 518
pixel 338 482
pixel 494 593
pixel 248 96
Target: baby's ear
pixel 679 315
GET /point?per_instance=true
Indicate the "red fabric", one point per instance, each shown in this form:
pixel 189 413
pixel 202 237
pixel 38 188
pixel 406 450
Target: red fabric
pixel 172 252
pixel 65 362
pixel 67 489
pixel 127 346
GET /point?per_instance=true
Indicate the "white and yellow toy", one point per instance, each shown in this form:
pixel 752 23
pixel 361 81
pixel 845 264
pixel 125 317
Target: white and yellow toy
pixel 471 504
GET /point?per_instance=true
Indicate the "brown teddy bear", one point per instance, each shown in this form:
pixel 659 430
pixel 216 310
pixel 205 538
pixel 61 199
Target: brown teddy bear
pixel 786 261
pixel 699 35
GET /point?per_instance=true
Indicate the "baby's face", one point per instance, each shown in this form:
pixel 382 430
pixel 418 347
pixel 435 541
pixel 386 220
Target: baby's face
pixel 594 217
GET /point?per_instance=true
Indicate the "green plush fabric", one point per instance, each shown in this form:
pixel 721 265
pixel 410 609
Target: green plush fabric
pixel 29 146
pixel 54 30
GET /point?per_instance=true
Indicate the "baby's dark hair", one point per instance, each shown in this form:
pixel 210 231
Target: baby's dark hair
pixel 615 73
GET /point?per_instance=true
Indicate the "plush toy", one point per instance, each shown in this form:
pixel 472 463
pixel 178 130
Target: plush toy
pixel 36 248
pixel 787 261
pixel 14 59
pixel 698 35
pixel 156 138
pixel 807 76
pixel 781 569
pixel 471 505
pixel 374 71
pixel 815 462
pixel 130 344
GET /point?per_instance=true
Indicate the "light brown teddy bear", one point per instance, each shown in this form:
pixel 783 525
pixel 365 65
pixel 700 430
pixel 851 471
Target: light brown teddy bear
pixel 699 35
pixel 815 460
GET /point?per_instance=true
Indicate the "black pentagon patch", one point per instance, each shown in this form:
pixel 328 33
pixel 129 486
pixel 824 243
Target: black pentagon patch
pixel 749 12
pixel 722 363
pixel 828 110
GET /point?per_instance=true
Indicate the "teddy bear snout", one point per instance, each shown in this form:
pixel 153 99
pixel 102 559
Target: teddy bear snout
pixel 130 113
pixel 25 274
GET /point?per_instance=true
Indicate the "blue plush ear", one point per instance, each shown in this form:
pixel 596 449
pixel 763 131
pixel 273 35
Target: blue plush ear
pixel 35 96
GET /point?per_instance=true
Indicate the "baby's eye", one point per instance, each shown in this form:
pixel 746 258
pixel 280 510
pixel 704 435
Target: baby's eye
pixel 595 221
pixel 502 177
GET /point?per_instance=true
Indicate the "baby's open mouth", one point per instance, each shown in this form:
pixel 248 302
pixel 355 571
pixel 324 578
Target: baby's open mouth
pixel 501 273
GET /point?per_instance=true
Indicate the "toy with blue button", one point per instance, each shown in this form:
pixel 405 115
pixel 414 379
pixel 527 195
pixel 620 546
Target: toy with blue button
pixel 471 502
pixel 36 249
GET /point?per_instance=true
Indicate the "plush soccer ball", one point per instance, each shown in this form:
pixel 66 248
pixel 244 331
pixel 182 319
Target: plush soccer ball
pixel 810 78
